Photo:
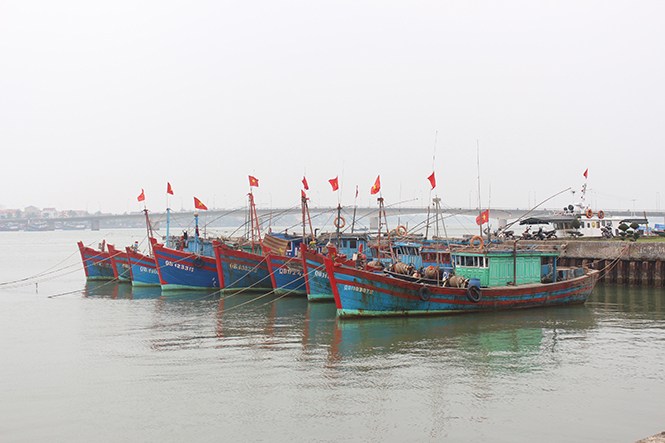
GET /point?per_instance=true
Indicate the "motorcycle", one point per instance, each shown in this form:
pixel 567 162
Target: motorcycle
pixel 539 235
pixel 550 235
pixel 606 232
pixel 526 235
pixel 504 235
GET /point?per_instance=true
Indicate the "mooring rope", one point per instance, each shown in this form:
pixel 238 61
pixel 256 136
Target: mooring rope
pixel 271 292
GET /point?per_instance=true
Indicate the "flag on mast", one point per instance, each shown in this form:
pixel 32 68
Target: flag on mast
pixel 586 173
pixel 142 196
pixel 304 183
pixel 377 185
pixel 334 183
pixel 483 217
pixel 169 189
pixel 198 204
pixel 432 180
pixel 253 181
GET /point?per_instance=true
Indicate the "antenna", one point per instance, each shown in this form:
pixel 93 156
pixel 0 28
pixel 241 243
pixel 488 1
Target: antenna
pixel 480 210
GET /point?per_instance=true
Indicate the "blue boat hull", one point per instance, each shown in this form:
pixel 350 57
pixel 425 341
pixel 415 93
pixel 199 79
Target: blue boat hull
pixel 316 278
pixel 97 264
pixel 361 293
pixel 241 270
pixel 182 270
pixel 120 263
pixel 286 275
pixel 144 270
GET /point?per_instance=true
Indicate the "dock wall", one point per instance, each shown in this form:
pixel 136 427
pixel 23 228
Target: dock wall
pixel 624 263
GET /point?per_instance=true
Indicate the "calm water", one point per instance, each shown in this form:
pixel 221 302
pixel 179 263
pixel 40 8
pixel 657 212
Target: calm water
pixel 106 363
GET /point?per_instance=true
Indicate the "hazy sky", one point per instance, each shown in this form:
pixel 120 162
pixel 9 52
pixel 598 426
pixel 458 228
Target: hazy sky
pixel 101 99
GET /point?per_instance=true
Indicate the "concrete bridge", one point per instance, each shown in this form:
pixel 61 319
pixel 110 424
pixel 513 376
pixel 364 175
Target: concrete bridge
pixel 94 221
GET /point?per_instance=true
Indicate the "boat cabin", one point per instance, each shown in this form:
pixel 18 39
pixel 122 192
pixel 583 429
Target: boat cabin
pixel 501 268
pixel 414 254
pixel 349 244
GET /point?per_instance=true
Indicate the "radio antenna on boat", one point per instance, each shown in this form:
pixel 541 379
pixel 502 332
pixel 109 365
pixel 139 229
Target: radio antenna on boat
pixel 355 208
pixel 480 209
pixel 489 204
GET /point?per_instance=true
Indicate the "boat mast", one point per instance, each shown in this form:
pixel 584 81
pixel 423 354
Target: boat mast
pixel 436 134
pixel 305 216
pixel 437 203
pixel 196 233
pixel 339 213
pixel 148 227
pixel 168 223
pixel 382 211
pixel 355 208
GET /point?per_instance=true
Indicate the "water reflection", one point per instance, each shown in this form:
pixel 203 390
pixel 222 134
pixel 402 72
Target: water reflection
pixel 107 289
pixel 146 292
pixel 504 341
pixel 319 325
pixel 500 341
pixel 629 300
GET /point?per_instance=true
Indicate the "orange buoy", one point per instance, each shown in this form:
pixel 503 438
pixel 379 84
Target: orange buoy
pixel 480 246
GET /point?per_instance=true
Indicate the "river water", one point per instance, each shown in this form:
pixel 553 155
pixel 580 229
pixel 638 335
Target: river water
pixel 107 363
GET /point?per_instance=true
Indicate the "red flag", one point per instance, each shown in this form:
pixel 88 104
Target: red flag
pixel 356 191
pixel 142 196
pixel 586 172
pixel 483 217
pixel 432 180
pixel 377 185
pixel 198 204
pixel 334 183
pixel 302 193
pixel 304 183
pixel 253 181
pixel 169 189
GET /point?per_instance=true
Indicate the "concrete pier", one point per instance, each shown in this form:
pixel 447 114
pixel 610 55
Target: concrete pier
pixel 624 263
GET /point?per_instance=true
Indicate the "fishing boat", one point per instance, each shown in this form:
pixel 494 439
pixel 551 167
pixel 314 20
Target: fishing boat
pixel 351 253
pixel 268 262
pixel 344 248
pixel 143 268
pixel 73 226
pixel 190 268
pixel 38 226
pixel 239 269
pixel 96 263
pixel 284 265
pixel 349 250
pixel 120 263
pixel 243 266
pixel 190 265
pixel 483 280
